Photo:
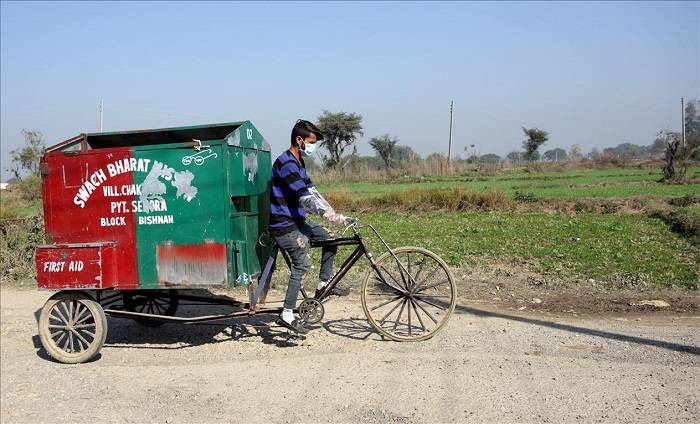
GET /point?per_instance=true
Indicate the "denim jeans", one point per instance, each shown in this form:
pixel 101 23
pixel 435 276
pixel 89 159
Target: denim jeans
pixel 296 244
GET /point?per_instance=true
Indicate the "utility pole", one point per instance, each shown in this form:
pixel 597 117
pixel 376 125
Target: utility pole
pixel 101 113
pixel 683 120
pixel 449 146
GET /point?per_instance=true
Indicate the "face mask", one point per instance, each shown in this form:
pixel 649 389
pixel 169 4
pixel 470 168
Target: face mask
pixel 308 150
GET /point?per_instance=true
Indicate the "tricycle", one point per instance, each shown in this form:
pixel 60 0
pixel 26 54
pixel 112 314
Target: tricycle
pixel 407 294
pixel 137 220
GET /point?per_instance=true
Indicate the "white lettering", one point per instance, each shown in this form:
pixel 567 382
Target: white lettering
pixel 143 165
pixel 98 178
pixel 82 196
pixel 53 266
pixel 76 266
pixel 156 220
pixel 114 221
pixel 118 207
pixel 115 168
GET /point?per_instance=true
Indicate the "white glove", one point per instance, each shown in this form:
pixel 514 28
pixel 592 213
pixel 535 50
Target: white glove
pixel 335 218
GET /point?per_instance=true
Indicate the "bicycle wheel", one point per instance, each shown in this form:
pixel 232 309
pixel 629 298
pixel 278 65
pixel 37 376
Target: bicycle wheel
pixel 411 301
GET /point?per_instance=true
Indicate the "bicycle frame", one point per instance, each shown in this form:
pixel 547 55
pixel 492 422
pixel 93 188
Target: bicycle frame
pixel 360 250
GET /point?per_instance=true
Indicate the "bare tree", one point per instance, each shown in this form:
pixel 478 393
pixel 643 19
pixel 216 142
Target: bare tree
pixel 676 156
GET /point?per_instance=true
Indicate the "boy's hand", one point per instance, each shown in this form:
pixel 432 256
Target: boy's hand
pixel 335 218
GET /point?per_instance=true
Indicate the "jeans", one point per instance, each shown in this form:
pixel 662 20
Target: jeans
pixel 296 244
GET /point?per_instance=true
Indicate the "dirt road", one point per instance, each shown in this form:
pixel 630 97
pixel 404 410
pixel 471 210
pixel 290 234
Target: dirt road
pixel 489 365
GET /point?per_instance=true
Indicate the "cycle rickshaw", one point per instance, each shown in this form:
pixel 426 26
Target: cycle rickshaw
pixel 137 219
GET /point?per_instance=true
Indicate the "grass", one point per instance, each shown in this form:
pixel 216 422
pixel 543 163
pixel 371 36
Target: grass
pixel 13 206
pixel 625 249
pixel 507 219
pixel 597 183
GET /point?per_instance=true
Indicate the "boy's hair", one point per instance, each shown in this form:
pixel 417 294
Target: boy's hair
pixel 303 128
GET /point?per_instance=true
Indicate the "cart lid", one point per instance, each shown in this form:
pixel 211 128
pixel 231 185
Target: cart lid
pixel 100 140
pixel 162 135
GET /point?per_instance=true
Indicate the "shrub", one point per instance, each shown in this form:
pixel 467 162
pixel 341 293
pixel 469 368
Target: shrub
pixel 681 220
pixel 30 188
pixel 524 197
pixel 18 238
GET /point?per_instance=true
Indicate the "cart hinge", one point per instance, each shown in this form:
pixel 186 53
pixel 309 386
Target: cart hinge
pixel 44 169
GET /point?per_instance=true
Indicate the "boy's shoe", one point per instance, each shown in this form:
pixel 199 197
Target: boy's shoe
pixel 295 326
pixel 337 291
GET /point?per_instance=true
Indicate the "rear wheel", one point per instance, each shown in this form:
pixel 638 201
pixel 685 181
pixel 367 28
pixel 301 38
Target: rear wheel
pixel 410 299
pixel 72 327
pixel 153 302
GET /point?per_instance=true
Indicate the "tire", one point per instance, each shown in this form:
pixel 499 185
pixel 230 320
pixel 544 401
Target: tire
pixel 151 302
pixel 431 296
pixel 72 327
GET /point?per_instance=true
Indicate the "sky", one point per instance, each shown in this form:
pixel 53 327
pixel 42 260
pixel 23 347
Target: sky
pixel 594 74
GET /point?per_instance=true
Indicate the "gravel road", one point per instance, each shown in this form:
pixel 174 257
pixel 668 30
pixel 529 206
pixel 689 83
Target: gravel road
pixel 488 365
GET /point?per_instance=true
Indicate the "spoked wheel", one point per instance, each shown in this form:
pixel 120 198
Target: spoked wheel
pixel 405 308
pixel 72 327
pixel 152 302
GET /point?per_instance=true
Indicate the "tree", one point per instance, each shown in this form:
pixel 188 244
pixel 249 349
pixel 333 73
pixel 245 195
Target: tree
pixel 555 155
pixel 384 146
pixel 25 160
pixel 535 138
pixel 489 158
pixel 676 157
pixel 672 156
pixel 575 152
pixel 692 127
pixel 404 155
pixel 340 131
pixel 515 156
pixel 658 147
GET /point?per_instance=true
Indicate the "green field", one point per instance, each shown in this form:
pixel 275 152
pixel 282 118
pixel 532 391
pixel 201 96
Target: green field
pixel 597 183
pixel 633 249
pixel 620 248
pixel 611 248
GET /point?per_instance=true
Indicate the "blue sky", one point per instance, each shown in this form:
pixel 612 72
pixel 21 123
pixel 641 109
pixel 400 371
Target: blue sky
pixel 596 74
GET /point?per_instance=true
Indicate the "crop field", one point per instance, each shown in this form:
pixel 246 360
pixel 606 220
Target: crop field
pixel 654 244
pixel 622 249
pixel 625 249
pixel 596 183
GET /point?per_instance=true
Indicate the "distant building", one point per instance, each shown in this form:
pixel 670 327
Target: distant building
pixel 3 186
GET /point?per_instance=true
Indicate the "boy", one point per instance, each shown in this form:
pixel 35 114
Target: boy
pixel 293 194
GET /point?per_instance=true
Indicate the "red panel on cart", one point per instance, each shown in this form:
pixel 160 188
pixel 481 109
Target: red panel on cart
pixel 88 198
pixel 60 267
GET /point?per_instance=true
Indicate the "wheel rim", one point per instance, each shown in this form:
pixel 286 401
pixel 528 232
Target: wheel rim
pixel 72 327
pixel 152 304
pixel 411 301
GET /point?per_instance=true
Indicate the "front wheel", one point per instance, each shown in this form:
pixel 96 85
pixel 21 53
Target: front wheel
pixel 72 327
pixel 410 299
